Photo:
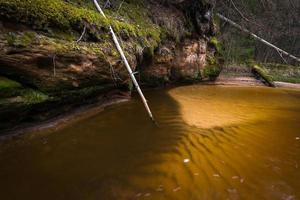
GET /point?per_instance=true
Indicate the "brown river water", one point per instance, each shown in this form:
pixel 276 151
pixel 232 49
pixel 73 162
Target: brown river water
pixel 211 142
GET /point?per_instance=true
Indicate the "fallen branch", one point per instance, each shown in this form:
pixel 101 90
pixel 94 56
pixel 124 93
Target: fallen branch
pixel 257 37
pixel 114 37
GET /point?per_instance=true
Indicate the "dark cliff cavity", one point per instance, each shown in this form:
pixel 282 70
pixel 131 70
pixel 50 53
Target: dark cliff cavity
pixel 200 14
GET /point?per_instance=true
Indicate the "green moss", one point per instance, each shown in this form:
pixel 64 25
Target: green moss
pixel 135 13
pixel 68 47
pixel 8 84
pixel 211 60
pixel 25 96
pixel 197 76
pixel 20 40
pixel 60 34
pixel 43 15
pixel 211 72
pixel 12 89
pixel 216 43
pixel 284 73
pixel 261 72
pixel 32 96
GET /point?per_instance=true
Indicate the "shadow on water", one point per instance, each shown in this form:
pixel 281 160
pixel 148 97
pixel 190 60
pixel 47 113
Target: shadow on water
pixel 120 154
pixel 93 158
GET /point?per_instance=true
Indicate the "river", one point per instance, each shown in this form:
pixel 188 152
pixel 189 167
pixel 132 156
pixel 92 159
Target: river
pixel 210 142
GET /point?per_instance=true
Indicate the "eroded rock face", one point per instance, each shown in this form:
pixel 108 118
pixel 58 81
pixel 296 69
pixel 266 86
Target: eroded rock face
pixel 184 57
pixel 191 57
pixel 179 58
pixel 72 73
pixel 178 62
pixel 44 68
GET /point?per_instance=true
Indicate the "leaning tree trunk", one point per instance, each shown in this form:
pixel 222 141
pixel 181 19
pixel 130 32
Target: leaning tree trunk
pixel 257 37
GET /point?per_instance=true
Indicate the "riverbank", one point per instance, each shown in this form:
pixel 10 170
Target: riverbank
pixel 287 85
pixel 46 70
pixel 251 81
pixel 278 75
pixel 238 81
pixel 65 119
pixel 86 111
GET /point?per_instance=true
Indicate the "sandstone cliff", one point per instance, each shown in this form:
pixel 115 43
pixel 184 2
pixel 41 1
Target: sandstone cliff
pixel 165 41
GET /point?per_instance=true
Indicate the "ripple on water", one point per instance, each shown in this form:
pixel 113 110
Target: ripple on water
pixel 211 143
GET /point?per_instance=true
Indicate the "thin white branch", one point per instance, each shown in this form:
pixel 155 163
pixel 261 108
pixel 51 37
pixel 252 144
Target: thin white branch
pixel 131 74
pixel 257 37
pixel 82 34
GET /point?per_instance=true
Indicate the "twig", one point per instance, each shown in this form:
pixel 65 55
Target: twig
pixel 54 65
pixel 284 60
pixel 120 6
pixel 239 11
pixel 82 34
pixel 241 14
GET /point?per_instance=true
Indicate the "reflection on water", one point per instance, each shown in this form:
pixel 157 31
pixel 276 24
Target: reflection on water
pixel 212 143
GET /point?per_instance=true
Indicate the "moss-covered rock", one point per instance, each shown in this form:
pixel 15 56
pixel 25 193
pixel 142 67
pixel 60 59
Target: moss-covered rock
pixel 188 61
pixel 212 72
pixel 261 73
pixel 58 61
pixel 51 64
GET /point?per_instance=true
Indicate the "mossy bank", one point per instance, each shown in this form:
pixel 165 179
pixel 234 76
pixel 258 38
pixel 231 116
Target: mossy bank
pixel 44 66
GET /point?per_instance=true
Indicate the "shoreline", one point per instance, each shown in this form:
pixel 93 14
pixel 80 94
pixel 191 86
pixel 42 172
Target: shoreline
pixel 86 111
pixel 250 81
pixel 238 81
pixel 63 120
pixel 279 84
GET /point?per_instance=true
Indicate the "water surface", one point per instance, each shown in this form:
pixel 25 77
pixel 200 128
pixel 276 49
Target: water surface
pixel 212 142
